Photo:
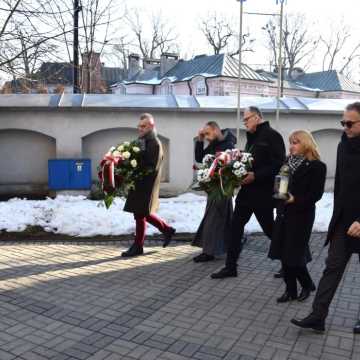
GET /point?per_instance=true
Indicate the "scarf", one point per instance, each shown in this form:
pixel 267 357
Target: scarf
pixel 294 162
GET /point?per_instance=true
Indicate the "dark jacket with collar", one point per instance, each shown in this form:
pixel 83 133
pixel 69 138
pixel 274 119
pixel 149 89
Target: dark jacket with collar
pixel 294 222
pixel 268 149
pixel 228 142
pixel 347 190
pixel 144 200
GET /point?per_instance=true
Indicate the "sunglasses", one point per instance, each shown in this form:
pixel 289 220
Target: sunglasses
pixel 348 124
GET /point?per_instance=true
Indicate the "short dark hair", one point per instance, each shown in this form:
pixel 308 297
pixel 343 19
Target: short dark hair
pixel 354 107
pixel 147 116
pixel 255 110
pixel 213 124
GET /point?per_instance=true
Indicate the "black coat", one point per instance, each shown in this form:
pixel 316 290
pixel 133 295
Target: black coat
pixel 228 142
pixel 144 200
pixel 347 190
pixel 268 149
pixel 294 222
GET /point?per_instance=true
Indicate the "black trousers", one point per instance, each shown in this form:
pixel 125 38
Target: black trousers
pixel 241 216
pixel 336 262
pixel 292 274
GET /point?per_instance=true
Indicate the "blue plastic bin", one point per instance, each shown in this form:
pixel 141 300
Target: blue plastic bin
pixel 69 174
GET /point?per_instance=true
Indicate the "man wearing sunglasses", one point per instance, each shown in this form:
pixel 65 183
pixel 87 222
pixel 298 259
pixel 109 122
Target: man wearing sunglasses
pixel 256 193
pixel 344 230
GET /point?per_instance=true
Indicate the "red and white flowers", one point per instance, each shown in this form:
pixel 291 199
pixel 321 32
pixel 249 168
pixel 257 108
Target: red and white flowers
pixel 120 169
pixel 219 175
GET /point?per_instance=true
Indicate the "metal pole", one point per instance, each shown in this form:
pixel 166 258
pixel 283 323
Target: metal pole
pixel 76 88
pixel 238 123
pixel 280 66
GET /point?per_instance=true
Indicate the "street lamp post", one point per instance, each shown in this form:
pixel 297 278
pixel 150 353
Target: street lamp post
pixel 76 87
pixel 280 64
pixel 238 122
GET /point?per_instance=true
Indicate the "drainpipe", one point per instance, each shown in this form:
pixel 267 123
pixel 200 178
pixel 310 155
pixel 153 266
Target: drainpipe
pixel 207 86
pixel 190 89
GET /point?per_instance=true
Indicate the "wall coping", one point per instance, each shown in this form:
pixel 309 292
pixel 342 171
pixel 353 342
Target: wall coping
pixel 172 103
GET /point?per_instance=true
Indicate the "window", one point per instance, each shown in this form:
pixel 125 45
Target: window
pixel 200 87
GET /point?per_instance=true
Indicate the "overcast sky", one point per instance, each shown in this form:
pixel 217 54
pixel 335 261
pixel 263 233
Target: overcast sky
pixel 185 14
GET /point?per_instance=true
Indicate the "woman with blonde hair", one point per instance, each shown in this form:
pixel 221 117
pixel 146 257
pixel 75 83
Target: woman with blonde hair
pixel 296 215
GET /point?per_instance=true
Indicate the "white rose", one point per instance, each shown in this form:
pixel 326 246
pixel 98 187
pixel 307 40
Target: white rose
pixel 237 173
pixel 121 148
pixel 245 158
pixel 207 158
pixel 116 153
pixel 126 155
pixel 126 143
pixel 133 163
pixel 136 149
pixel 206 175
pixel 236 164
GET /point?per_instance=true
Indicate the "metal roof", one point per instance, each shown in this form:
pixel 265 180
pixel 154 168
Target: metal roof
pixel 330 80
pixel 202 65
pixel 112 74
pixel 227 66
pixel 168 102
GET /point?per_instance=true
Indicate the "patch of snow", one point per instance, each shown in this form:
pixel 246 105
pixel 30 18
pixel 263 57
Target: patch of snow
pixel 77 216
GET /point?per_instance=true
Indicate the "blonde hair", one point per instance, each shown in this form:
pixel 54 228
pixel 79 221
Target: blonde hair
pixel 309 146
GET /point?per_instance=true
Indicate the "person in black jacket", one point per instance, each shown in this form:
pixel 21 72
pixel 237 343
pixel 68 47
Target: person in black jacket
pixel 214 230
pixel 296 216
pixel 344 229
pixel 256 193
pixel 143 201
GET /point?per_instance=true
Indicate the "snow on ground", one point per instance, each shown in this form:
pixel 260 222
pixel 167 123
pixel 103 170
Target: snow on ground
pixel 77 216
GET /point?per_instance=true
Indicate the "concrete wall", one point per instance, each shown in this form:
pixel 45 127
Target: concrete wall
pixel 29 137
pixel 24 160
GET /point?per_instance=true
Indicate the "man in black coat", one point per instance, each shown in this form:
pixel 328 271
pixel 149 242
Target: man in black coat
pixel 143 201
pixel 219 140
pixel 344 229
pixel 256 193
pixel 215 228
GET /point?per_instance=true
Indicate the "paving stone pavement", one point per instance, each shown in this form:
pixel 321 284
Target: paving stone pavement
pixel 83 301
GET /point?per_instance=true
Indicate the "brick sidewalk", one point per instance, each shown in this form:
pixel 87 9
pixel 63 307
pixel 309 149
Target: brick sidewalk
pixel 79 302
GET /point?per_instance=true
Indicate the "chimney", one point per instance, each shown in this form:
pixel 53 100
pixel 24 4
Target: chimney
pixel 167 62
pixel 150 64
pixel 296 73
pixel 91 79
pixel 134 65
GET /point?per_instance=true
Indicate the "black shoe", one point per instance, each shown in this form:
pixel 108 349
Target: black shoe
pixel 286 297
pixel 357 327
pixel 305 293
pixel 279 274
pixel 224 273
pixel 168 236
pixel 310 322
pixel 203 258
pixel 134 250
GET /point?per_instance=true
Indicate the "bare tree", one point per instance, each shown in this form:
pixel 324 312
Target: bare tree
pixel 339 52
pixel 34 31
pixel 299 43
pixel 24 32
pixel 151 35
pixel 121 51
pixel 221 35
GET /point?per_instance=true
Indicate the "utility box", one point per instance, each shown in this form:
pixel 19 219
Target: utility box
pixel 69 174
